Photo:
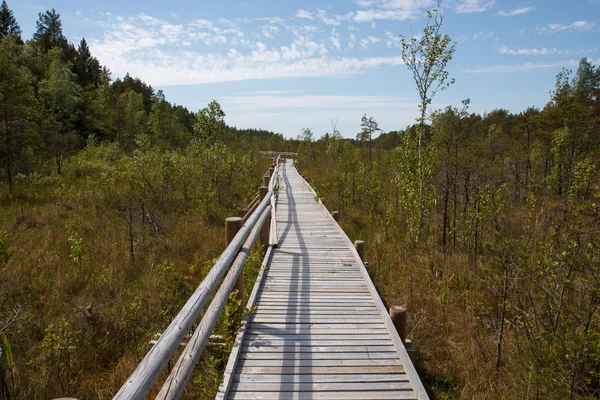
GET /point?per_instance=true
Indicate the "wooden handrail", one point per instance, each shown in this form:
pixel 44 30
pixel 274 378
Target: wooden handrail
pixel 143 378
pixel 251 207
pixel 141 381
pixel 273 185
pixel 181 373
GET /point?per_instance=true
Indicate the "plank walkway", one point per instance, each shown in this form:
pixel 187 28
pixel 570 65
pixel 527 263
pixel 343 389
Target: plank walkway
pixel 319 330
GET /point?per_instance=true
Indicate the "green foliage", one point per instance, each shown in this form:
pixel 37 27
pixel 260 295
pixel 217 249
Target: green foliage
pixel 8 23
pixel 210 123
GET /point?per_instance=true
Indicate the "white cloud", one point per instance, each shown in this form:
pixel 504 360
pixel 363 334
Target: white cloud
pixel 351 41
pixel 532 52
pixel 269 31
pixel 332 20
pixel 392 40
pixel 304 14
pixel 578 26
pixel 516 11
pixel 521 67
pixel 473 6
pixel 364 43
pixel 335 39
pixel 399 10
pixel 205 52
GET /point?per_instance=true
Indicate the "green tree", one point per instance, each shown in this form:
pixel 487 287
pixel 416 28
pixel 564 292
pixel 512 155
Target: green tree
pixel 16 105
pixel 210 123
pixel 369 127
pixel 165 125
pixel 8 23
pixel 426 57
pixel 60 95
pixel 49 32
pixel 130 118
pixel 87 67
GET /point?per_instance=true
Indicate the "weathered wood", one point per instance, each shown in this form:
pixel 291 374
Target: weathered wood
pixel 335 215
pixel 140 382
pixel 318 318
pixel 319 387
pixel 359 245
pixel 232 226
pixel 181 373
pixel 398 316
pixel 327 378
pixel 362 395
pixel 264 233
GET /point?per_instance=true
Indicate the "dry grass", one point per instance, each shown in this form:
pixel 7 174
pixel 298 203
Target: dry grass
pixel 86 311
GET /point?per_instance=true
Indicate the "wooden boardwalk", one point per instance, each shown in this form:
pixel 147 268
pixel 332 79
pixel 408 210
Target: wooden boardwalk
pixel 319 329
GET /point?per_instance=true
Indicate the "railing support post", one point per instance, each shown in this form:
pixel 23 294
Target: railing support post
pixel 266 180
pixel 335 215
pixel 232 226
pixel 359 245
pixel 398 317
pixel 265 230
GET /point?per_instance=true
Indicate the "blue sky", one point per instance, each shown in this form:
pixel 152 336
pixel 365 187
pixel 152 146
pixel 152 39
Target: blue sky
pixel 284 65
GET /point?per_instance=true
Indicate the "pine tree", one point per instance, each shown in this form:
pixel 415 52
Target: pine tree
pixel 48 32
pixel 8 23
pixel 87 67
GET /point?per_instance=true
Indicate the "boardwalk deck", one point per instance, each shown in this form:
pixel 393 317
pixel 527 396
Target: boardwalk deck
pixel 319 329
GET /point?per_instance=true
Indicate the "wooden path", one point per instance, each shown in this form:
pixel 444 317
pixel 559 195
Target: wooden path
pixel 319 329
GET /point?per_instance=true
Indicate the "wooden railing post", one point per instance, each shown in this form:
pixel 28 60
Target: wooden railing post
pixel 335 215
pixel 264 232
pixel 359 245
pixel 398 317
pixel 232 226
pixel 266 180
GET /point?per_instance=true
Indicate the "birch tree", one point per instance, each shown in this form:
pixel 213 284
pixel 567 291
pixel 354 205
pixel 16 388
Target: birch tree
pixel 426 57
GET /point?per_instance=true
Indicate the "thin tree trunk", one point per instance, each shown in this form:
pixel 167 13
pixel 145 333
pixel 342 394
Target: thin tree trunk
pixel 446 196
pixel 502 318
pixel 131 237
pixel 420 165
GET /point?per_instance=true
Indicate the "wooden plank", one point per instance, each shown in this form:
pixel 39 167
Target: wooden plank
pixel 318 356
pixel 314 370
pixel 318 387
pixel 334 348
pixel 313 320
pixel 372 395
pixel 320 342
pixel 320 378
pixel 313 330
pixel 332 336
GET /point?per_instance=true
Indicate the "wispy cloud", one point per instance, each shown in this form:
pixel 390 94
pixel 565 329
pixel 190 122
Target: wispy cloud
pixel 532 51
pixel 516 11
pixel 304 14
pixel 577 26
pixel 474 6
pixel 521 67
pixel 205 52
pixel 335 39
pixel 392 40
pixel 399 10
pixel 366 42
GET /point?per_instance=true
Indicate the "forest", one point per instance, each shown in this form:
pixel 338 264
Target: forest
pixel 112 201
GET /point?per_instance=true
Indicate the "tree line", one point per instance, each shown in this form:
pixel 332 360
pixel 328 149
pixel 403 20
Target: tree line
pixel 56 97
